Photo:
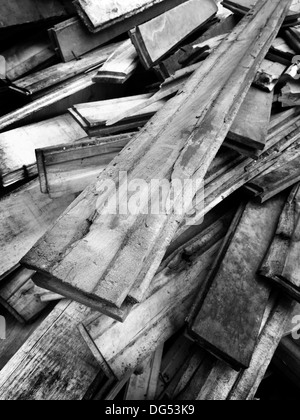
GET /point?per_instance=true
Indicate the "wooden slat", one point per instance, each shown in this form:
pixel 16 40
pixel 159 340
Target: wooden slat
pixel 120 66
pixel 155 39
pixel 99 16
pixel 53 75
pixel 229 318
pixel 168 147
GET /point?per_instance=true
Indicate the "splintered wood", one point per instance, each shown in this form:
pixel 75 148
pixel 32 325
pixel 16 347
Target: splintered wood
pixel 179 143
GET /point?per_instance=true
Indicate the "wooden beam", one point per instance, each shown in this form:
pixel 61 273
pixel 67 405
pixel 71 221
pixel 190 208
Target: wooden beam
pixel 168 147
pixel 156 38
pixel 228 319
pixel 120 66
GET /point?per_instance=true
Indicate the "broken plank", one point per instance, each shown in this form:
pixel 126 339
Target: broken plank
pixel 230 316
pixel 18 161
pixel 99 16
pixel 54 364
pixel 70 168
pixel 250 127
pixel 168 147
pixel 156 38
pixel 53 75
pixel 25 215
pixel 120 66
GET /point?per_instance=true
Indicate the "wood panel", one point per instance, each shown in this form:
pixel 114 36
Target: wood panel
pixel 168 147
pixel 155 39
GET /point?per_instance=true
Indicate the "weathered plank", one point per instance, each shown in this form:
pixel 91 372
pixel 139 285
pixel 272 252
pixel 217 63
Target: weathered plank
pixel 290 94
pixel 99 16
pixel 156 38
pixel 281 265
pixel 17 157
pixel 228 320
pixel 70 168
pixel 120 66
pixel 25 215
pixel 168 147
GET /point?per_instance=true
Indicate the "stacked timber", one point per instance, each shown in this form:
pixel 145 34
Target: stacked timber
pixel 112 289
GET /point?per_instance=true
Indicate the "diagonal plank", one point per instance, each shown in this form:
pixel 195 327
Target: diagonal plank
pixel 91 255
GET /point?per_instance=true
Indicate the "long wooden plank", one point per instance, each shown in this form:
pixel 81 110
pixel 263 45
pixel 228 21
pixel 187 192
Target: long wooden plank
pixel 25 215
pixel 169 146
pixel 281 265
pixel 58 73
pixel 120 66
pixel 229 318
pixel 18 145
pixel 99 16
pixel 70 168
pixel 156 38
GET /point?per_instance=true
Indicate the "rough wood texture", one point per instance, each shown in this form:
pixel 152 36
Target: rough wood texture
pixel 25 215
pixel 268 75
pixel 155 39
pixel 179 143
pixel 281 264
pixel 250 127
pixel 290 94
pixel 54 364
pixel 53 75
pixel 17 147
pixel 99 16
pixel 70 168
pixel 120 66
pixel 230 316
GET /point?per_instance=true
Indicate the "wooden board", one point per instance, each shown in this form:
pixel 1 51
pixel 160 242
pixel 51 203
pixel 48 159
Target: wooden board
pixel 281 265
pixel 70 168
pixel 19 12
pixel 228 320
pixel 58 73
pixel 99 16
pixel 26 55
pixel 250 127
pixel 168 147
pixel 281 176
pixel 18 146
pixel 268 75
pixel 156 38
pixel 290 94
pixel 120 66
pixel 25 216
pixel 54 364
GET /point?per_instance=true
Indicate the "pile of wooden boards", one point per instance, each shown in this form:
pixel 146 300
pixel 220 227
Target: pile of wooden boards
pixel 192 300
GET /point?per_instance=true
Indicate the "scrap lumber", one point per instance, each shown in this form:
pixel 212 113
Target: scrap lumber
pixel 54 364
pixel 281 265
pixel 20 12
pixel 120 66
pixel 18 146
pixel 286 359
pixel 290 94
pixel 18 296
pixel 292 37
pixel 156 38
pixel 61 72
pixel 16 335
pixel 70 168
pixel 227 320
pixel 27 55
pixel 25 215
pixel 100 16
pixel 250 126
pixel 278 178
pixel 173 139
pixel 143 387
pixel 268 75
pixel 92 116
pixel 281 52
pixel 122 347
